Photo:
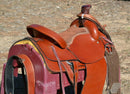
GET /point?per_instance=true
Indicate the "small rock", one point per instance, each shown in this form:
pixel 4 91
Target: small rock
pixel 57 7
pixel 68 15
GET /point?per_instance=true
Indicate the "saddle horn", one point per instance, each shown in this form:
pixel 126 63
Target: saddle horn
pixel 86 20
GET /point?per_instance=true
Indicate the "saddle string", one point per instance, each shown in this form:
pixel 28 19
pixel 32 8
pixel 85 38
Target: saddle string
pixel 107 40
pixel 61 72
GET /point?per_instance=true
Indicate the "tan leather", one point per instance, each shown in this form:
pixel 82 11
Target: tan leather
pixel 72 32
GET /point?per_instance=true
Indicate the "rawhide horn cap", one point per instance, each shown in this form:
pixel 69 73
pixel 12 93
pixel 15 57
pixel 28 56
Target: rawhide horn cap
pixel 85 9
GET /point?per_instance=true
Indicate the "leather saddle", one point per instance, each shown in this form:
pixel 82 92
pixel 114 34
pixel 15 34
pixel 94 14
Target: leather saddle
pixel 81 47
pixel 83 44
pixel 77 46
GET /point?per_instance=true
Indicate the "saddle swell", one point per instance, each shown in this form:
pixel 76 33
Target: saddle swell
pixel 82 21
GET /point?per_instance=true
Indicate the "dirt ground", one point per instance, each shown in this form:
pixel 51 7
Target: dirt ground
pixel 57 15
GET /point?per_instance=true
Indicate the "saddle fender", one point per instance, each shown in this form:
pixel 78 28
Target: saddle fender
pixel 95 80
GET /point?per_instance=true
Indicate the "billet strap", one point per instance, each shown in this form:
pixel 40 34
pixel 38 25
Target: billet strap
pixel 75 76
pixel 61 72
pixel 22 61
pixel 113 76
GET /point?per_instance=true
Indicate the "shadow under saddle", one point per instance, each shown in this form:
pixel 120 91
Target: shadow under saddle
pixel 83 56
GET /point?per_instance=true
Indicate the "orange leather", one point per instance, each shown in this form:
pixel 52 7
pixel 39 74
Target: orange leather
pixel 30 73
pixel 53 66
pixel 63 54
pixel 43 46
pixel 39 31
pixel 82 46
pixel 87 49
pixel 96 75
pixel 88 16
pixel 75 22
pixel 89 25
pixel 92 29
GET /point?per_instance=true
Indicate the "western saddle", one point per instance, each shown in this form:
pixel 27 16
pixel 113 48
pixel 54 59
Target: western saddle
pixel 71 62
